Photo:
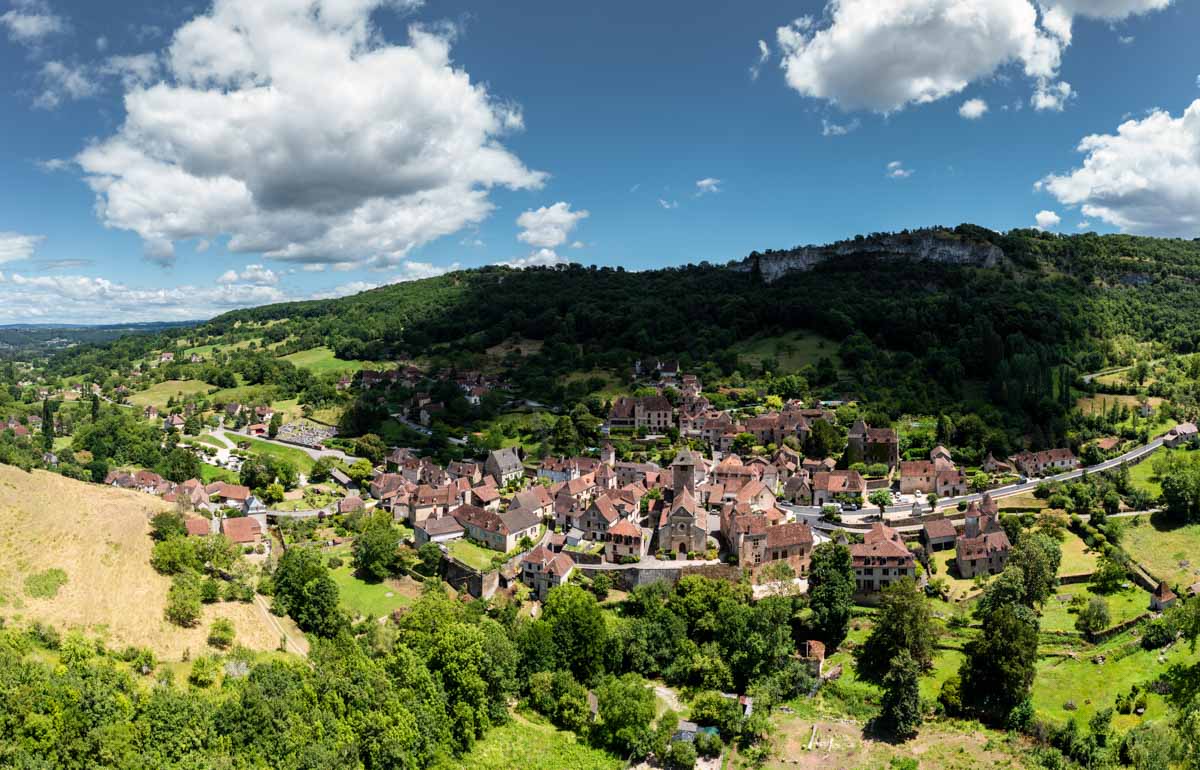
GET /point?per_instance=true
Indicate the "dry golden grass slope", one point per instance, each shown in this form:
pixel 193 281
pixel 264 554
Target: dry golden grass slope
pixel 99 536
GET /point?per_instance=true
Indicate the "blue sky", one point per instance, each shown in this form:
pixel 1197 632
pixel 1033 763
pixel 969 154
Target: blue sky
pixel 174 160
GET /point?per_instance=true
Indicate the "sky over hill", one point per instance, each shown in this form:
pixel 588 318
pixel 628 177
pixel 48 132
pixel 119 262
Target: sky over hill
pixel 167 160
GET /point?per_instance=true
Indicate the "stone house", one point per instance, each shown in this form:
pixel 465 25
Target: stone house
pixel 880 560
pixel 983 547
pixel 624 539
pixel 1045 462
pixel 917 476
pixel 498 531
pixel 438 529
pixel 542 569
pixel 832 486
pixel 504 465
pixel 938 535
pixel 1183 433
pixel 873 445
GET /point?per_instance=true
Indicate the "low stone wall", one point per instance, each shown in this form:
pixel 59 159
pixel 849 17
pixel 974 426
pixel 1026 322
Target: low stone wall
pixel 583 559
pixel 1068 580
pixel 1120 628
pixel 634 576
pixel 481 585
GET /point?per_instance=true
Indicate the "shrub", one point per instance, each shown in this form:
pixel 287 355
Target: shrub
pixel 183 602
pixel 45 635
pixel 204 671
pixel 709 745
pixel 950 696
pixel 221 633
pixel 210 590
pixel 45 585
pixel 680 755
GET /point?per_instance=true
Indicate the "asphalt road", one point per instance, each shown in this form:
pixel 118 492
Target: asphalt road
pixel 812 514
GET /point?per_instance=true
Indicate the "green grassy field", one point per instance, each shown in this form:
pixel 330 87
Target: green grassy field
pixel 211 473
pixel 474 556
pixel 1142 475
pixel 1122 606
pixel 377 599
pixel 206 351
pixel 297 457
pixel 244 394
pixel 959 587
pixel 1076 558
pixel 539 746
pixel 320 360
pixel 207 439
pixel 611 388
pixel 1093 686
pixel 794 350
pixel 158 394
pixel 1164 550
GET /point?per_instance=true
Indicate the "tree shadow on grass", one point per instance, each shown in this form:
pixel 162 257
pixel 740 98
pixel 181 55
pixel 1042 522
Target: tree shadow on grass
pixel 1164 523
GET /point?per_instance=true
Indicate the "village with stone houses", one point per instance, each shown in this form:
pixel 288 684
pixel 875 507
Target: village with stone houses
pixel 709 511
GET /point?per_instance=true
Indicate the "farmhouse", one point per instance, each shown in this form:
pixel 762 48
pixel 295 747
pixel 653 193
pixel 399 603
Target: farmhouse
pixel 1183 433
pixel 1046 461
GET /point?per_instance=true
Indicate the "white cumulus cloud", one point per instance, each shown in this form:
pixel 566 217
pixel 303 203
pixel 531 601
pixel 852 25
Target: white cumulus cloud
pixel 134 71
pixel 1047 220
pixel 294 129
pixel 1145 178
pixel 549 226
pixel 666 204
pixel 253 274
pixel 85 299
pixel 884 55
pixel 1051 95
pixel 973 109
pixel 15 246
pixel 540 258
pixel 707 185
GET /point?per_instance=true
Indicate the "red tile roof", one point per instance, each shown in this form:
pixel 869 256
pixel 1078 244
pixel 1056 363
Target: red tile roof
pixel 783 535
pixel 241 530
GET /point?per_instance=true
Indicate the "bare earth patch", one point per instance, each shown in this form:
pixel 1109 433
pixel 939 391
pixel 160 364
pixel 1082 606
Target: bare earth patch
pixel 99 536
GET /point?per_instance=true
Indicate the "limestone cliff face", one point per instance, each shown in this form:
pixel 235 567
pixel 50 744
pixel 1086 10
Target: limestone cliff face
pixel 926 246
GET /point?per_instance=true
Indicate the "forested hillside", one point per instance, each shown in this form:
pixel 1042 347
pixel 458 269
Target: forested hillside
pixel 915 335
